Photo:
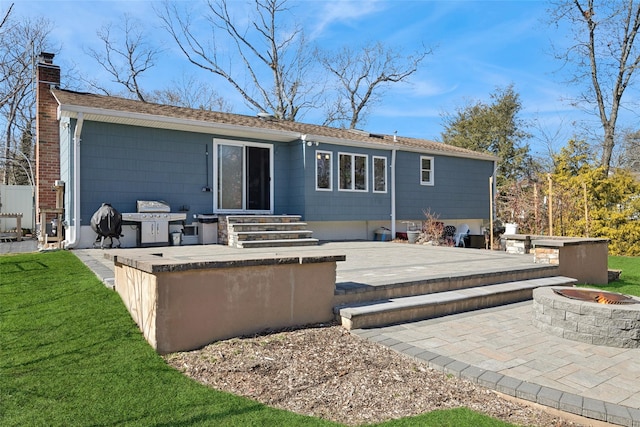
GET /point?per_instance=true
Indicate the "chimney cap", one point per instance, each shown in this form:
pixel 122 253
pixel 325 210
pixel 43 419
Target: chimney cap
pixel 46 58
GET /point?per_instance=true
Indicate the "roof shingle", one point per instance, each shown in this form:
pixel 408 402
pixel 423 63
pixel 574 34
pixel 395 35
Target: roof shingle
pixel 70 100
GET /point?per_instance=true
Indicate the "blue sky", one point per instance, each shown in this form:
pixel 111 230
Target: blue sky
pixel 477 46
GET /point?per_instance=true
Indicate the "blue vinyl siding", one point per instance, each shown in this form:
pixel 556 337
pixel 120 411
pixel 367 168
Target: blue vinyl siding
pixel 460 190
pixel 122 164
pixel 288 186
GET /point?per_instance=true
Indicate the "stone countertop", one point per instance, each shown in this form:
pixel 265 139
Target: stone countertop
pixel 558 242
pixel 160 260
pixel 554 241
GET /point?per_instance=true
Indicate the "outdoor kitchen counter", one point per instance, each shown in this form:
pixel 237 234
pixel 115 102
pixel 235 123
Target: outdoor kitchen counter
pixel 158 262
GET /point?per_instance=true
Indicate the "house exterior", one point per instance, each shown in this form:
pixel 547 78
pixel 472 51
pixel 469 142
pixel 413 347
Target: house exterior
pixel 344 184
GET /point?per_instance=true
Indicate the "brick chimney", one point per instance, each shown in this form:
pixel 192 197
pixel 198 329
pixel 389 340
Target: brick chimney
pixel 47 132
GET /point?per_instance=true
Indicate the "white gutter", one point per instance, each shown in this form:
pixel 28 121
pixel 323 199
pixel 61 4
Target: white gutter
pixel 393 194
pixel 115 116
pixel 74 230
pixel 385 146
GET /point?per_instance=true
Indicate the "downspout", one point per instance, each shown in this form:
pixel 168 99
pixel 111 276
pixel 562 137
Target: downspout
pixel 74 230
pixel 393 193
pixel 495 186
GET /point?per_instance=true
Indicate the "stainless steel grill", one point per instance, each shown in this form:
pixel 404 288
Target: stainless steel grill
pixel 154 218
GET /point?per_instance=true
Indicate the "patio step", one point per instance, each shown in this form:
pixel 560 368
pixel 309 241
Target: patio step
pixel 276 243
pixel 350 292
pixel 420 307
pixel 263 231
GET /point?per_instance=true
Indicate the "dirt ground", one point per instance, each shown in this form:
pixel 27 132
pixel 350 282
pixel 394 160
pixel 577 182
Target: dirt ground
pixel 326 372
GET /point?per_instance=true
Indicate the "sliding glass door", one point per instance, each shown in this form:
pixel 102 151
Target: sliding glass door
pixel 243 177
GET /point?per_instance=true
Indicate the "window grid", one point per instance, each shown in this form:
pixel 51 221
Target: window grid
pixel 352 172
pixel 426 170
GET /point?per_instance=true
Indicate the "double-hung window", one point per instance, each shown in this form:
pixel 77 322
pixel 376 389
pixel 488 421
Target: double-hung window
pixel 426 170
pixel 323 171
pixel 352 172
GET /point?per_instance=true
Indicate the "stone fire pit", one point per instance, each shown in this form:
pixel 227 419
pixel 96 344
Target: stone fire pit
pixel 614 324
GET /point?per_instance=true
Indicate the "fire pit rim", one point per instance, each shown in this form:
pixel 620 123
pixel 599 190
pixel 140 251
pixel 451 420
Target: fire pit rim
pixel 610 298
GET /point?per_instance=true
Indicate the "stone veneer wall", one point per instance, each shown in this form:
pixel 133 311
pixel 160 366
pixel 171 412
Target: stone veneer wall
pixel 546 256
pixel 517 244
pixel 584 321
pixel 223 232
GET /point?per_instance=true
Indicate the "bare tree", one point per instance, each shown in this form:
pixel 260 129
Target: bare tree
pixel 274 59
pixel 362 76
pixel 126 56
pixel 17 110
pixel 5 90
pixel 6 16
pixel 192 93
pixel 604 53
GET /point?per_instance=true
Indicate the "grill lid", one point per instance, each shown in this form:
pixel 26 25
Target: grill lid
pixel 146 206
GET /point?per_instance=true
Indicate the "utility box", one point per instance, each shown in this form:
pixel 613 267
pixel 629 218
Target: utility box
pixel 207 229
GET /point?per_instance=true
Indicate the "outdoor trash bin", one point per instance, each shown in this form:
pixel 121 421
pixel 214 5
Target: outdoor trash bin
pixel 176 238
pixel 382 234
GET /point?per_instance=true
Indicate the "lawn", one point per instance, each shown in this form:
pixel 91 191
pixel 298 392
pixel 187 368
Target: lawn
pixel 629 283
pixel 71 355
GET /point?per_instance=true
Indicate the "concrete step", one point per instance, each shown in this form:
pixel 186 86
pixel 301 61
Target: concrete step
pixel 261 231
pixel 350 292
pixel 413 308
pixel 268 226
pixel 276 243
pixel 256 219
pixel 245 236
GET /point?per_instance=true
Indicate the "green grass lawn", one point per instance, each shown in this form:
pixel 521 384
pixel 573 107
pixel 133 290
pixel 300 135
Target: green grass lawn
pixel 629 283
pixel 71 355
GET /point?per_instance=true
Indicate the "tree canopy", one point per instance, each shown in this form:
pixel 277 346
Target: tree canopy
pixel 493 128
pixel 604 57
pixel 588 201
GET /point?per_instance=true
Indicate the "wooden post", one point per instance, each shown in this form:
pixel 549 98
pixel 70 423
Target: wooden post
pixel 535 207
pixel 550 205
pixel 491 212
pixel 586 209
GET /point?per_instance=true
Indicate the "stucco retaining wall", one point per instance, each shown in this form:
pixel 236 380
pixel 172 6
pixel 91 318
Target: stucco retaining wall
pixel 182 305
pixel 584 259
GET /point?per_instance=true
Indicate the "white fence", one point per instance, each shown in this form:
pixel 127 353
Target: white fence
pixel 17 199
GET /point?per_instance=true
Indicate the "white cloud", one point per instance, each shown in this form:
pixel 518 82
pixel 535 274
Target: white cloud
pixel 344 12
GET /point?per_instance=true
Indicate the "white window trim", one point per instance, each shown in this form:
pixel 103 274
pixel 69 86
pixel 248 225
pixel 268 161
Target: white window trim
pixel 432 174
pixel 321 152
pixel 353 172
pixel 373 174
pixel 243 144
